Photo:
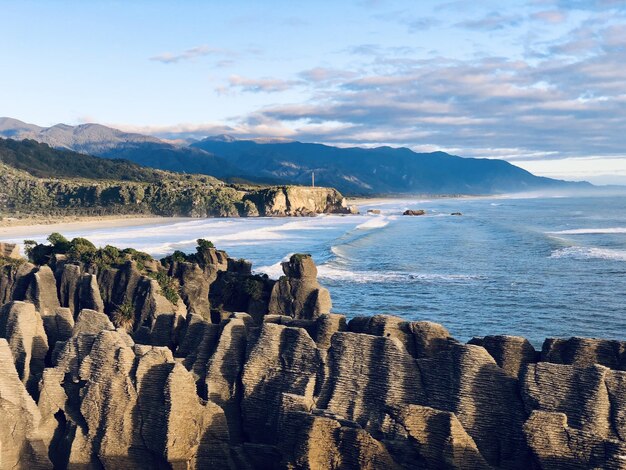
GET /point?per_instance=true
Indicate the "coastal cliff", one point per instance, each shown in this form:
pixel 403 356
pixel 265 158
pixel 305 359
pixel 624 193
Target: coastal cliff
pixel 111 359
pixel 179 196
pixel 38 180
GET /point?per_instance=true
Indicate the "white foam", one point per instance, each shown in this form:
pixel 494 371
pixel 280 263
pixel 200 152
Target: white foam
pixel 329 272
pixel 275 270
pixel 583 253
pixel 590 231
pixel 374 222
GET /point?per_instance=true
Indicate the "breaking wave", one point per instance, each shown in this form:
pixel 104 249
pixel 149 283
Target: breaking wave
pixel 590 231
pixel 331 273
pixel 584 253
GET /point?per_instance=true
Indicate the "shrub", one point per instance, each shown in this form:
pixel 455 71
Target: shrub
pixel 124 316
pixel 254 288
pixel 169 286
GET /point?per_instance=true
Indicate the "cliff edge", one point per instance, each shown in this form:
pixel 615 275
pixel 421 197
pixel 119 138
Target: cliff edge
pixel 111 359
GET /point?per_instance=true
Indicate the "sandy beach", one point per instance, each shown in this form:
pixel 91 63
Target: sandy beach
pixel 17 229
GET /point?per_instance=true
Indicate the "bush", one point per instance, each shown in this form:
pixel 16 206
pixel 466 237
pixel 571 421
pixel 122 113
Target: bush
pixel 124 316
pixel 81 249
pixel 254 288
pixel 169 286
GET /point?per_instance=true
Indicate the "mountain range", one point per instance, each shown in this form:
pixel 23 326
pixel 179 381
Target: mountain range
pixel 353 171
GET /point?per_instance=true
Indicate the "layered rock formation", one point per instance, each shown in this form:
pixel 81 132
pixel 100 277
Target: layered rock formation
pixel 102 366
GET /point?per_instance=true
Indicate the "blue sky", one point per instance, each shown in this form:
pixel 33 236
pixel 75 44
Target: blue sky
pixel 541 83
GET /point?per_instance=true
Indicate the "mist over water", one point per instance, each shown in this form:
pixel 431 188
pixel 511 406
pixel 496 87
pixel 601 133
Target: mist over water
pixel 536 267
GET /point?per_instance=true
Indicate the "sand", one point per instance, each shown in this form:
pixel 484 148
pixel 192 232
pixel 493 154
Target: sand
pixel 19 229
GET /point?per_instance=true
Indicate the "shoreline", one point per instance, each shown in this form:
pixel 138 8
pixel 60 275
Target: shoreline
pixel 16 229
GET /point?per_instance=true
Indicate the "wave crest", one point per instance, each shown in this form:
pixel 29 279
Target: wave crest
pixel 584 253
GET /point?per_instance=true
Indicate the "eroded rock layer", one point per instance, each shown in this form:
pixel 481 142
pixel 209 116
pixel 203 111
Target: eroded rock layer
pixel 198 363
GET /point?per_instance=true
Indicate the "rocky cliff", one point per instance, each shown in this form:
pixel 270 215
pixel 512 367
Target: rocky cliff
pixel 110 359
pixel 38 180
pixel 191 196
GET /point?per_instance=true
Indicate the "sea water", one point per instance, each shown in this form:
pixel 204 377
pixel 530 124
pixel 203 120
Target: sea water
pixel 531 266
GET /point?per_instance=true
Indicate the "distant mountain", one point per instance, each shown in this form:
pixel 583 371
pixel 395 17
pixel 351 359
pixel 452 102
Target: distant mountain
pixel 381 170
pixel 42 161
pixel 357 171
pixel 102 141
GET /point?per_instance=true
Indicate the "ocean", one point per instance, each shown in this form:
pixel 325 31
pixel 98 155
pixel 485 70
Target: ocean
pixel 530 266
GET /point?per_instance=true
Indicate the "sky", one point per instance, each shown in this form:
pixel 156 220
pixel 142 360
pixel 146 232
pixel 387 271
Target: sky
pixel 540 83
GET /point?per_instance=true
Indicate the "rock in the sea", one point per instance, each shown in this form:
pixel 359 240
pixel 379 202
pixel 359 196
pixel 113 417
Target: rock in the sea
pixel 456 213
pixel 414 212
pixel 373 211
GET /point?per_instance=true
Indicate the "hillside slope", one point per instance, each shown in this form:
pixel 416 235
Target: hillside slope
pixel 36 180
pixel 356 171
pixel 378 170
pixel 102 141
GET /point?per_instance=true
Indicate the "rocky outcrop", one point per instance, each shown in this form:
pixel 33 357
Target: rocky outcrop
pixel 22 327
pixel 298 294
pixel 158 193
pixel 9 250
pixel 22 445
pixel 414 212
pixel 299 201
pixel 283 384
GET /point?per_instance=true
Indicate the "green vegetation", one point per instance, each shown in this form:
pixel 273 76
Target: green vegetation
pixel 254 288
pixel 169 286
pixel 124 316
pixel 12 264
pixel 297 257
pixel 81 249
pixel 43 161
pixel 204 254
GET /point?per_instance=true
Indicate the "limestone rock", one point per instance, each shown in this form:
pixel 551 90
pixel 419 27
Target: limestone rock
pixel 512 353
pixel 91 322
pixel 10 250
pixel 465 380
pixel 43 291
pixel 58 326
pixel 224 369
pixel 14 281
pixel 317 442
pixel 299 295
pixel 555 445
pixel 366 375
pixel 23 328
pixel 585 352
pixel 281 360
pixel 194 287
pixel 578 392
pixel 438 439
pixel 22 445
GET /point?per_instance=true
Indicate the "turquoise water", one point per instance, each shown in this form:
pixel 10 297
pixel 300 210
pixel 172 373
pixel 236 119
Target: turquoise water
pixel 535 267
